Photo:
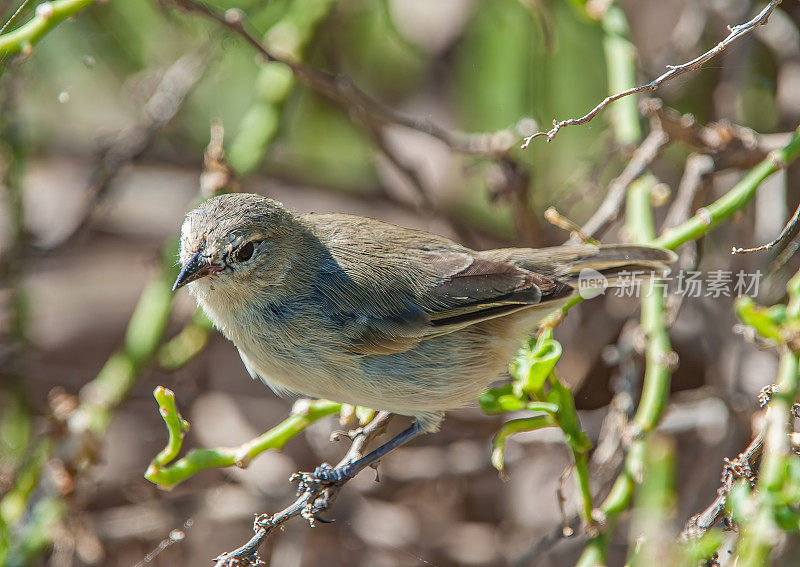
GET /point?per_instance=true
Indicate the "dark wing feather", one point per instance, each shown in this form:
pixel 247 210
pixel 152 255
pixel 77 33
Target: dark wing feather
pixel 469 291
pixel 485 289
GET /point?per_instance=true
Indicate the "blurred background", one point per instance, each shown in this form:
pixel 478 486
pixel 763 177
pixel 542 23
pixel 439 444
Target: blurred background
pixel 103 128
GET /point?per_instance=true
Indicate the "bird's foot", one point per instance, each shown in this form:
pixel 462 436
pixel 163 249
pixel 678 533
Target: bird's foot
pixel 324 476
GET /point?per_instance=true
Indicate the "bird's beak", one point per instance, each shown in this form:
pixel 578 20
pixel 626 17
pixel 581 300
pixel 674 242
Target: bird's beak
pixel 196 268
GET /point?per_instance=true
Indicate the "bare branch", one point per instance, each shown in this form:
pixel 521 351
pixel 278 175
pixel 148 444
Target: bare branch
pixel 734 469
pixel 698 167
pixel 341 90
pixel 730 145
pixel 784 235
pixel 312 499
pixel 611 207
pixel 735 32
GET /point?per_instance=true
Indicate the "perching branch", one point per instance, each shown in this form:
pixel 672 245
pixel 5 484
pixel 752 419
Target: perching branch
pixel 673 71
pixel 312 500
pixel 341 90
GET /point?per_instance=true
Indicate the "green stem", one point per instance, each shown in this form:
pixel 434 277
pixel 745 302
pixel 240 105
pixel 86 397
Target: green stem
pixel 512 427
pixel 176 425
pixel 655 388
pixel 142 338
pixel 187 344
pixel 577 440
pixel 734 200
pixel 655 503
pixel 275 81
pixel 48 15
pixel 620 57
pixel 168 476
pixel 760 534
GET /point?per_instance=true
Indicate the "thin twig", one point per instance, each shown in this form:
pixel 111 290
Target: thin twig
pixel 555 218
pixel 14 15
pixel 378 135
pixel 697 168
pixel 784 235
pixel 312 499
pixel 673 71
pixel 612 206
pixel 341 90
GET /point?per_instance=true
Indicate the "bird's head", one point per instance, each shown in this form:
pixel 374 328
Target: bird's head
pixel 239 243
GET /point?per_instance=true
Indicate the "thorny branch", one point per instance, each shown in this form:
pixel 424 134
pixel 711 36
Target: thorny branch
pixel 312 499
pixel 341 90
pixel 735 32
pixel 742 467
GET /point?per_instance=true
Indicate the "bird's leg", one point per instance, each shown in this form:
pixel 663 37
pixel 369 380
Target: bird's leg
pixel 330 475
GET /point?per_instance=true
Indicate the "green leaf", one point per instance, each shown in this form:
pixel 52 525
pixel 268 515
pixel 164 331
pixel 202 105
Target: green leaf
pixel 702 548
pixel 490 399
pixel 533 365
pixel 787 518
pixel 511 428
pixel 766 322
pixel 738 503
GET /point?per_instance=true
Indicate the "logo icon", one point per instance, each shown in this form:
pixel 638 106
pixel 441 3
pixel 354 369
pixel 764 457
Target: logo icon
pixel 591 283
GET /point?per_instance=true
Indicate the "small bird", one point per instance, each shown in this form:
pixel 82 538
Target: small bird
pixel 368 313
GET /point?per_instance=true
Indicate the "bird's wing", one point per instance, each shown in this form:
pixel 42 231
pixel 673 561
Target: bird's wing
pixel 391 291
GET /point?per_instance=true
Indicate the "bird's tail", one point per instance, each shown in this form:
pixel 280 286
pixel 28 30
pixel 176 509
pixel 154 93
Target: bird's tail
pixel 616 263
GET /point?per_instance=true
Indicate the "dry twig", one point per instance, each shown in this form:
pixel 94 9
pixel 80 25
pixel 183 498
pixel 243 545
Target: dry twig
pixel 742 467
pixel 555 218
pixel 697 168
pixel 733 469
pixel 611 207
pixel 735 32
pixel 785 234
pixel 730 145
pixel 341 90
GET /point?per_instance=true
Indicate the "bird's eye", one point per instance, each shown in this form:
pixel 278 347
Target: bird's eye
pixel 244 252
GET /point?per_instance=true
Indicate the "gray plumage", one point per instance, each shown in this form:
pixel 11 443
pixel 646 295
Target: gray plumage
pixel 369 313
